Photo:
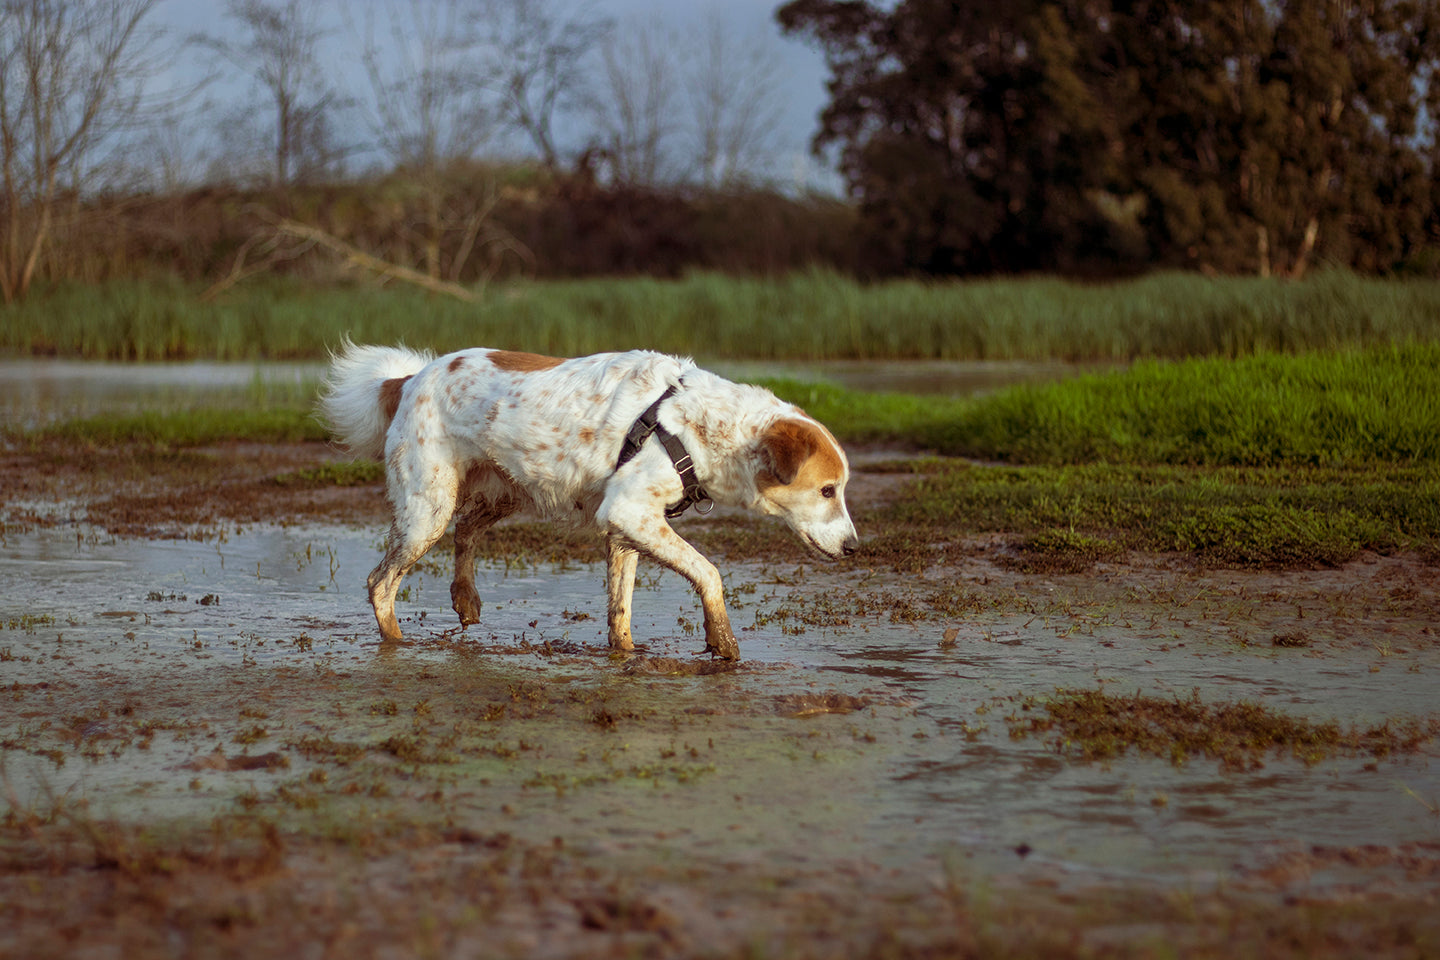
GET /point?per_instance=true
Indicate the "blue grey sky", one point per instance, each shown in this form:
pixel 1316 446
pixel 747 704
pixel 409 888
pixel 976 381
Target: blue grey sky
pixel 801 75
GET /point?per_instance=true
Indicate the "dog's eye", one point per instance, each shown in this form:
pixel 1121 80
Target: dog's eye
pixel 828 491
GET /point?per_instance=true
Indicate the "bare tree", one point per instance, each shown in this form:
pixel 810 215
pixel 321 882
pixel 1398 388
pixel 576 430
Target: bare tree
pixel 540 52
pixel 428 87
pixel 72 75
pixel 733 85
pixel 279 45
pixel 431 111
pixel 633 105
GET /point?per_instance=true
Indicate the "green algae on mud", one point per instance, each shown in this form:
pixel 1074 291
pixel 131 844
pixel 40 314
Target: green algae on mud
pixel 1225 517
pixel 1096 725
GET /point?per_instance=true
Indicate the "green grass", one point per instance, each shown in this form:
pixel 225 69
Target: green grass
pixel 807 316
pixel 343 473
pixel 1379 405
pixel 187 428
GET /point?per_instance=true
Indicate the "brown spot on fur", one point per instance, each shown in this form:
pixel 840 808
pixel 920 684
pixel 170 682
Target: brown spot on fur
pixel 456 364
pixel 390 396
pixel 587 435
pixel 791 444
pixel 517 362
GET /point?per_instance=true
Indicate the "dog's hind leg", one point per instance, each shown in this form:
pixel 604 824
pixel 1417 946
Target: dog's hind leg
pixel 422 512
pixel 620 564
pixel 476 517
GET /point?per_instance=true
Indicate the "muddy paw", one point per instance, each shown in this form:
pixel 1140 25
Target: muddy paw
pixel 465 602
pixel 723 646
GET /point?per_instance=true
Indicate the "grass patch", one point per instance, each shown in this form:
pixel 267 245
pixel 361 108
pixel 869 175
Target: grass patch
pixel 339 473
pixel 1095 725
pixel 1378 405
pixel 187 428
pixel 806 316
pixel 1223 516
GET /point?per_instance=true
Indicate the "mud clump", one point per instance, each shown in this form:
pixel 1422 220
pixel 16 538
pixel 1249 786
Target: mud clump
pixel 675 667
pixel 1294 638
pixel 814 704
pixel 217 761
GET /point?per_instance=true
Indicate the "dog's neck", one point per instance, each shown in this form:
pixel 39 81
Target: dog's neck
pixel 720 424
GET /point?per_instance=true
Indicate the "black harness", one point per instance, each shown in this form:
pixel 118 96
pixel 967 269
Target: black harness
pixel 640 431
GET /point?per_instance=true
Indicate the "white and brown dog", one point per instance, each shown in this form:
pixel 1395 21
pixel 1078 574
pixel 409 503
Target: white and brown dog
pixel 481 434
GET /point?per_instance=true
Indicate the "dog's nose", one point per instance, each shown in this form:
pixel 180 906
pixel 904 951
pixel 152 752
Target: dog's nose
pixel 850 547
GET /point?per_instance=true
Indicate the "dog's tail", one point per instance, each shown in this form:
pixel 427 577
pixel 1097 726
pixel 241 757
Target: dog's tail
pixel 361 391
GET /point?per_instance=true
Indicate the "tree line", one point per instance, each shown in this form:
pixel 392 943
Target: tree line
pixel 1254 136
pixel 300 94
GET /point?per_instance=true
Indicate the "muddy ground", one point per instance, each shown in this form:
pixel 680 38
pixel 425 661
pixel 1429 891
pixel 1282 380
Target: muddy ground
pixel 206 752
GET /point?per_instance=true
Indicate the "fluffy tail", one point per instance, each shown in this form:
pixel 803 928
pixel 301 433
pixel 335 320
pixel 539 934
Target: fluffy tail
pixel 353 396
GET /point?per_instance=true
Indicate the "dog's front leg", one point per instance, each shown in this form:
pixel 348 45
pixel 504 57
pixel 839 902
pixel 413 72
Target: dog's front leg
pixel 653 536
pixel 620 564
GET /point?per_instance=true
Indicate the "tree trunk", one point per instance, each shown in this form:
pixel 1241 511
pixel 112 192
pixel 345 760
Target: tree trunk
pixel 1307 245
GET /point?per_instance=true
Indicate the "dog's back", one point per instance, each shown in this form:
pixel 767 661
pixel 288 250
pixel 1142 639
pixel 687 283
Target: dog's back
pixel 550 426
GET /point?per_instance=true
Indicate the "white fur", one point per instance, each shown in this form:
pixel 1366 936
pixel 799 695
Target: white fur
pixel 347 398
pixel 479 434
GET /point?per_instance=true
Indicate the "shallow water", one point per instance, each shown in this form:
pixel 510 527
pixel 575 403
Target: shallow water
pixel 33 392
pixel 869 741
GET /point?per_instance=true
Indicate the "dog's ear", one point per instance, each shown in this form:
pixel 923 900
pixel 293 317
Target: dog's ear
pixel 784 448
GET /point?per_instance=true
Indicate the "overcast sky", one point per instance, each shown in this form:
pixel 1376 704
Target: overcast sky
pixel 801 74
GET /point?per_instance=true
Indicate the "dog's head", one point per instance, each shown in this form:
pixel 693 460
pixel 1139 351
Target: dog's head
pixel 801 479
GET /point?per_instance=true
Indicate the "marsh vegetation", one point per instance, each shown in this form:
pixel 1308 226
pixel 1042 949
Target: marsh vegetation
pixel 812 315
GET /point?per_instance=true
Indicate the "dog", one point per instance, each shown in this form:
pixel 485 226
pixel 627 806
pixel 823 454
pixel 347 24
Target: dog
pixel 616 442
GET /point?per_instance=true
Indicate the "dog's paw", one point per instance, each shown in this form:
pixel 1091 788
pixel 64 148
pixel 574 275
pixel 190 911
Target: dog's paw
pixel 722 646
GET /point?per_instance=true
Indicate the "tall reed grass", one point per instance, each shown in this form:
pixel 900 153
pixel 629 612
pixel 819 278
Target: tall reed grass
pixel 809 316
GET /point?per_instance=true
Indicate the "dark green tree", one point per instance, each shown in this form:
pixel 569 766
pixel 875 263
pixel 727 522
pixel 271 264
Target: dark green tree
pixel 1075 134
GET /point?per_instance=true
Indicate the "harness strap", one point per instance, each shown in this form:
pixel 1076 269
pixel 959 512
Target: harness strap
pixel 649 423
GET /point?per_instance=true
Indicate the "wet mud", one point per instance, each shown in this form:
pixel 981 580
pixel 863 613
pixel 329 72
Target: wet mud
pixel 863 756
pixel 206 747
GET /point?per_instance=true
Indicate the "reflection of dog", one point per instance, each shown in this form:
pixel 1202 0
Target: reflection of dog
pixel 482 433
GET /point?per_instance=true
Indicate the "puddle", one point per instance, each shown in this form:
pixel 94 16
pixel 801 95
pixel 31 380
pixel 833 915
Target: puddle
pixel 175 679
pixel 33 392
